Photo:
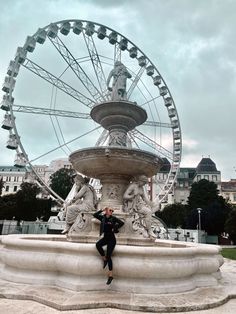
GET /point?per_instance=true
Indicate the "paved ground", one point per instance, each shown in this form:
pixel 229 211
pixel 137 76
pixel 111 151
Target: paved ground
pixel 30 307
pixel 226 293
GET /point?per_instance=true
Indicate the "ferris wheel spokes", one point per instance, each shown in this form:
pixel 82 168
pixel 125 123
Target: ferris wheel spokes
pixel 55 81
pixel 145 139
pixel 64 144
pixel 50 111
pixel 135 82
pixel 76 68
pixel 97 65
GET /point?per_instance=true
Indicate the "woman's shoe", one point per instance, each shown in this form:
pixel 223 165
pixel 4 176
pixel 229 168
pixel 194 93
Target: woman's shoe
pixel 109 280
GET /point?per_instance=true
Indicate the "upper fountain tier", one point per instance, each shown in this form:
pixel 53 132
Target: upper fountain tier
pixel 118 117
pixel 124 115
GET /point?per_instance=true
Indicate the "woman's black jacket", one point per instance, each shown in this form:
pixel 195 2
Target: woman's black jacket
pixel 117 223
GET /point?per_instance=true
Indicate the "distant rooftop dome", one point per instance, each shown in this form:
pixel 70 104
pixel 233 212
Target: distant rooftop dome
pixel 206 165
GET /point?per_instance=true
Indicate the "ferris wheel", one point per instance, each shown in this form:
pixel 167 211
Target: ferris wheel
pixel 60 74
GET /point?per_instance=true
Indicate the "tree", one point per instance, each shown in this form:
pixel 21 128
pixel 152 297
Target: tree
pixel 8 206
pixel 230 225
pixel 202 194
pixel 27 202
pixel 174 215
pixel 62 181
pixel 24 205
pixel 215 209
pixel 43 208
pixel 1 185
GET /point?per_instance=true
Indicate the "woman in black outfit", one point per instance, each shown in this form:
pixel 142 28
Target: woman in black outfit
pixel 109 226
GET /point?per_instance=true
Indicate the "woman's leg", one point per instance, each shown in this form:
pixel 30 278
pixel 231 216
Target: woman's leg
pixel 110 248
pixel 99 246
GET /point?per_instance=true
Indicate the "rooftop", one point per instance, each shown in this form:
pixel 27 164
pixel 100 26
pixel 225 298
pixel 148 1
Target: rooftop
pixel 206 165
pixel 229 186
pixel 12 169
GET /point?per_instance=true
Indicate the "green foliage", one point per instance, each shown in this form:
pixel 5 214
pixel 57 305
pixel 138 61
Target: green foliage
pixel 8 207
pixel 62 181
pixel 202 194
pixel 229 253
pixel 24 205
pixel 174 215
pixel 230 225
pixel 215 209
pixel 26 201
pixel 1 185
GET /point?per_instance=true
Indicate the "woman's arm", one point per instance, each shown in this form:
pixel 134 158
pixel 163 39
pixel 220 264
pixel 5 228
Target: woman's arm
pixel 117 222
pixel 98 215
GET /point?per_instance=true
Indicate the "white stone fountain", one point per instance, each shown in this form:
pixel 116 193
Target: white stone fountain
pixel 142 264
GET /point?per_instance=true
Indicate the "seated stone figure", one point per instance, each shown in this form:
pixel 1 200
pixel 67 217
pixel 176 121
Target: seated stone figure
pixel 85 200
pixel 137 202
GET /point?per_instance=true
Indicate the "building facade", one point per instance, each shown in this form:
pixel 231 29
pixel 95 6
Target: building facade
pixel 12 176
pixel 228 191
pixel 206 169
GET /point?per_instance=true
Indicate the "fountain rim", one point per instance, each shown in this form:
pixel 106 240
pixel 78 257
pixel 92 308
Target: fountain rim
pixel 59 242
pixel 113 148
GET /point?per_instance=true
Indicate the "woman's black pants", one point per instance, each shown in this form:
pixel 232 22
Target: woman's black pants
pixel 110 241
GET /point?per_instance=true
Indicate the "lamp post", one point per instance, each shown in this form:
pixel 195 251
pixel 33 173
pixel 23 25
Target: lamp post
pixel 199 222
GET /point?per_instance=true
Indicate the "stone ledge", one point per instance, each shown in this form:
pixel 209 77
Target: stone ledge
pixel 64 300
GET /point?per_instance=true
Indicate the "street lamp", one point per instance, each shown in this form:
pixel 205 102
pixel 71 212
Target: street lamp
pixel 199 218
pixel 199 222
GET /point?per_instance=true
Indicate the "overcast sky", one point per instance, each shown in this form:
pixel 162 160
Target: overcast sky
pixel 192 43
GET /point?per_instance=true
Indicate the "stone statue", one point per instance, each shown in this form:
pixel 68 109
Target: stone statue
pixel 137 203
pixel 85 200
pixel 120 75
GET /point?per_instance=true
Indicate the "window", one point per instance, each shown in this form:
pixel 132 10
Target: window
pixel 206 177
pixel 234 197
pixel 15 188
pixel 214 178
pixel 198 177
pixel 7 188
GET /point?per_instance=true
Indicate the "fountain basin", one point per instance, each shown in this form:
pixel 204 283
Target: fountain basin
pixel 165 267
pixel 121 161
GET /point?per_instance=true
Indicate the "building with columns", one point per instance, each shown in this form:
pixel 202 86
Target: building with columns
pixel 12 178
pixel 206 169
